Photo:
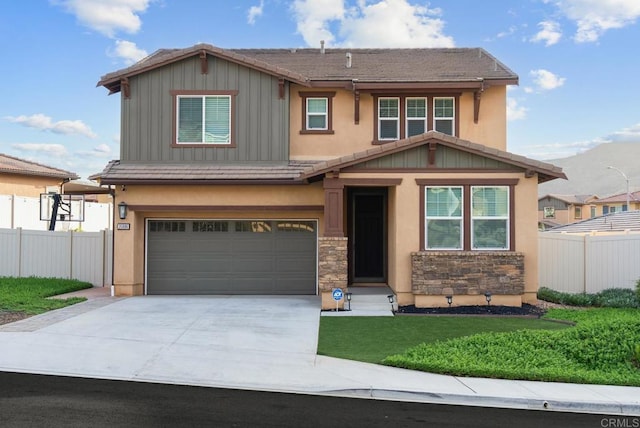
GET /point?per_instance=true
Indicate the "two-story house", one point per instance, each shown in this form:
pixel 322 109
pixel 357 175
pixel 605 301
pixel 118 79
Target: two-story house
pixel 275 171
pixel 555 210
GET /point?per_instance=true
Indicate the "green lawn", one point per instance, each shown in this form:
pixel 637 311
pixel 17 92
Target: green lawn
pixel 371 339
pixel 29 295
pixel 602 348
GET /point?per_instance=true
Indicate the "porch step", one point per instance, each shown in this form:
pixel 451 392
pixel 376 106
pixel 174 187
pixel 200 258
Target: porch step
pixel 366 302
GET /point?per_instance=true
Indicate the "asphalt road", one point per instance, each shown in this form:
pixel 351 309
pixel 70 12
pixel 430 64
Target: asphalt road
pixel 28 400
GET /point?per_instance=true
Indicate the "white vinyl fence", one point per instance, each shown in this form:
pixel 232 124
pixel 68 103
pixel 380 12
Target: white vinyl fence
pixel 588 263
pixel 24 212
pixel 85 256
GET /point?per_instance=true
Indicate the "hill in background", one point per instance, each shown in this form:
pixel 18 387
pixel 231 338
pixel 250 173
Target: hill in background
pixel 587 172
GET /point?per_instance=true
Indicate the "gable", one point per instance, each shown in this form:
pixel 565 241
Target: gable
pixel 443 157
pixel 441 151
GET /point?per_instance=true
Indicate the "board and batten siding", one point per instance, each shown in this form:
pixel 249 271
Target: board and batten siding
pixel 261 116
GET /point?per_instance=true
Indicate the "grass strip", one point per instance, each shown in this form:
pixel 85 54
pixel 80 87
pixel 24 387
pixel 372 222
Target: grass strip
pixel 29 295
pixel 371 339
pixel 598 350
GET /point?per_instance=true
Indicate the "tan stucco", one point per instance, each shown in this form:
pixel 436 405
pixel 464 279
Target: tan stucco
pixel 129 245
pixel 26 185
pixel 348 138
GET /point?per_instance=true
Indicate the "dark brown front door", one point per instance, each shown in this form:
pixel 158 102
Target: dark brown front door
pixel 367 235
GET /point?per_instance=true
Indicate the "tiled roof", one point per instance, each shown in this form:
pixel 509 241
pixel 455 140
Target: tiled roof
pixel 13 165
pixel 622 197
pixel 306 66
pixel 614 222
pixel 546 171
pixel 119 173
pixel 571 199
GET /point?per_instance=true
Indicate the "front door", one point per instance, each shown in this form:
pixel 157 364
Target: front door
pixel 367 235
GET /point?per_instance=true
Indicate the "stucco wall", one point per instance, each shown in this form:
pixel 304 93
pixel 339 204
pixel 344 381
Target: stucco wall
pixel 491 129
pixel 211 202
pixel 26 185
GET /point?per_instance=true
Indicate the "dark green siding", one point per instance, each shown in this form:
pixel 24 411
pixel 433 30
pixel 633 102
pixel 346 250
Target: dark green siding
pixel 261 117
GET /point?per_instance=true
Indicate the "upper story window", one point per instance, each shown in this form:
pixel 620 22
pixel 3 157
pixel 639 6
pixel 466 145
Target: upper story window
pixel 204 118
pixel 317 112
pixel 404 116
pixel 444 115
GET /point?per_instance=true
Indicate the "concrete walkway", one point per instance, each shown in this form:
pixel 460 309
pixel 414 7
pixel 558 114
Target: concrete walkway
pixel 247 342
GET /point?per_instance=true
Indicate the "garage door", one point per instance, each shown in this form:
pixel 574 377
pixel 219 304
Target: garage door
pixel 231 257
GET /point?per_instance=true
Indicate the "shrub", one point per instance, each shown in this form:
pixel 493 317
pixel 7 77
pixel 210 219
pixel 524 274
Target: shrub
pixel 609 298
pixel 638 290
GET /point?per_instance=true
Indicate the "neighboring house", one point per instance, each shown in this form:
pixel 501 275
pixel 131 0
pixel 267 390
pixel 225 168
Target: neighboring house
pixel 618 203
pixel 619 222
pixel 554 210
pixel 25 178
pixel 276 171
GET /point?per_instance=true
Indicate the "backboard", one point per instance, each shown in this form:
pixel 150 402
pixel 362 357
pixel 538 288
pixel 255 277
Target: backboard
pixel 70 207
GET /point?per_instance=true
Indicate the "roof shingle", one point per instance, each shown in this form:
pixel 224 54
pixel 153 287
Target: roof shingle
pixel 13 165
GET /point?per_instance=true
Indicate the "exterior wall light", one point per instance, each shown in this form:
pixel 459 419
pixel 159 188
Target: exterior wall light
pixel 122 210
pixel 449 300
pixel 487 296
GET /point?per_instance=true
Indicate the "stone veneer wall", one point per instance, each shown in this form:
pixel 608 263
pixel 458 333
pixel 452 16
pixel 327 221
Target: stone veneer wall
pixel 332 263
pixel 467 272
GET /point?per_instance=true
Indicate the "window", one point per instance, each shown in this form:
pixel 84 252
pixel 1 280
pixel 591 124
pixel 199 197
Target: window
pixel 317 112
pixel 204 118
pixel 253 226
pixel 549 212
pixel 593 211
pixel 416 116
pixel 490 218
pixel 388 118
pixel 405 116
pixel 460 214
pixel 578 212
pixel 443 218
pixel 210 226
pixel 443 115
pixel 166 226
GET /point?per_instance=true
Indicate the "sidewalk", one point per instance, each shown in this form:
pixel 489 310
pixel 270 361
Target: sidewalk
pixel 227 342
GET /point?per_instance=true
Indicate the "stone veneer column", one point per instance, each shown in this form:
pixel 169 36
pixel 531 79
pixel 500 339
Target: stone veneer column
pixel 332 268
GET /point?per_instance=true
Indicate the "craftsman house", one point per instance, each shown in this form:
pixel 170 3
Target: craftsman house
pixel 275 171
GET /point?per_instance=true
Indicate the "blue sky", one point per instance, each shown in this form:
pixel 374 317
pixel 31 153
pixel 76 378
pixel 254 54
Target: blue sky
pixel 577 60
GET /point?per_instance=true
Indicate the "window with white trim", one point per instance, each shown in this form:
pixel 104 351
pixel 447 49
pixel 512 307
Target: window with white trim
pixel 317 112
pixel 203 119
pixel 388 118
pixel 490 217
pixel 444 115
pixel 443 218
pixel 416 113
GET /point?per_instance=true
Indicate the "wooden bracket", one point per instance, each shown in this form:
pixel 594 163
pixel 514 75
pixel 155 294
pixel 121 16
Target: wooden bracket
pixel 204 64
pixel 356 107
pixel 476 105
pixel 281 88
pixel 432 153
pixel 126 89
pixel 529 173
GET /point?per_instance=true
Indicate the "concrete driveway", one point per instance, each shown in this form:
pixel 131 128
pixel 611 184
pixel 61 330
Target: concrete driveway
pixel 213 340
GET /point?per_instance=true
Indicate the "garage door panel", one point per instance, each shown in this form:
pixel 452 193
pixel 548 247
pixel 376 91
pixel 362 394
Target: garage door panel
pixel 231 257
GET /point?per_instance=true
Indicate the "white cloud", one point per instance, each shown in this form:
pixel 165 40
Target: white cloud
pixel 107 16
pixel 549 33
pixel 128 51
pixel 99 151
pixel 630 134
pixel 595 17
pixel 54 150
pixel 514 110
pixel 546 80
pixel 255 12
pixel 361 24
pixel 44 123
pixel 313 18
